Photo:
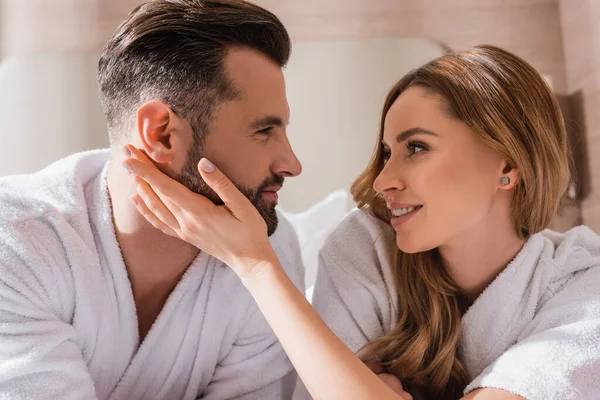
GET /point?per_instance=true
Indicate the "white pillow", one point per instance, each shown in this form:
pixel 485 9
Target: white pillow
pixel 313 226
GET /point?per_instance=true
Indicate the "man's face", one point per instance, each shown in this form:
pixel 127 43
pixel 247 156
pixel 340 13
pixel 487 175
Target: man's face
pixel 247 138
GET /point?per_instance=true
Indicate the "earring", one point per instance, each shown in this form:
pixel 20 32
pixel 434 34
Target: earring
pixel 505 180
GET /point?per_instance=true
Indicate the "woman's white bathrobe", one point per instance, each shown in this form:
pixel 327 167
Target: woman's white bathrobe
pixel 535 331
pixel 68 325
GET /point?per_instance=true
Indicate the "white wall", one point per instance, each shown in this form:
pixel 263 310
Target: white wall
pixel 49 108
pixel 336 90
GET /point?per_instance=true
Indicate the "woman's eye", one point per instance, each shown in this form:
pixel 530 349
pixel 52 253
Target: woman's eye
pixel 414 148
pixel 386 155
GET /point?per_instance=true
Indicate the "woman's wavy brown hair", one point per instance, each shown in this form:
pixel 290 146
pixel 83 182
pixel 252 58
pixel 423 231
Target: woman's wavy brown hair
pixel 510 108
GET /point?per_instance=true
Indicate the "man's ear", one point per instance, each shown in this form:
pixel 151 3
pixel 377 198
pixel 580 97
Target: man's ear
pixel 157 127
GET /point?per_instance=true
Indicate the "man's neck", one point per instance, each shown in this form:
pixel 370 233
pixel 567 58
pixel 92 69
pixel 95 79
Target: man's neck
pixel 155 262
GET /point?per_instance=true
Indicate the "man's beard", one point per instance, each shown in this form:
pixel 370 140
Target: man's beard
pixel 190 178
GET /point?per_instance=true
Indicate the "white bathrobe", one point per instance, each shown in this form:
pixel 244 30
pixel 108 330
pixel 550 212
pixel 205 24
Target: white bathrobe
pixel 535 330
pixel 68 324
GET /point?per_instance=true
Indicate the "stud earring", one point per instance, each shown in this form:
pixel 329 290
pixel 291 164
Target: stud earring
pixel 505 180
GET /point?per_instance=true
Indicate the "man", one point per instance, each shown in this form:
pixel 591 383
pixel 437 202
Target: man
pixel 97 304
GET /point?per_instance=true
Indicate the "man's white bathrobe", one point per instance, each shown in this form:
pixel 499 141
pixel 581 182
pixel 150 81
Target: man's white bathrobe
pixel 68 325
pixel 535 330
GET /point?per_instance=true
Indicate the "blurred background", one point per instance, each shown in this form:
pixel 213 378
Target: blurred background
pixel 347 54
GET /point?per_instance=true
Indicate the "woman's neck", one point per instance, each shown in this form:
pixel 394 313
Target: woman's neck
pixel 476 258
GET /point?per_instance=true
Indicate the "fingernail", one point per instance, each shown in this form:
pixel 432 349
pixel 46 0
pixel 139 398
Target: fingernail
pixel 127 166
pixel 206 165
pixel 126 151
pixel 134 201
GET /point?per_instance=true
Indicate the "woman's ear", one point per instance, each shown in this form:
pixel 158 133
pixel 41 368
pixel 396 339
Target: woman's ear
pixel 509 177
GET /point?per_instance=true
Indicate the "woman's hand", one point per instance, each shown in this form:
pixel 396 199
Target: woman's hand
pixel 234 233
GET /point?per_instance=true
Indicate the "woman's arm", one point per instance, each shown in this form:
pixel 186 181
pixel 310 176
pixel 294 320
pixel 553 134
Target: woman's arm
pixel 491 394
pixel 326 366
pixel 236 234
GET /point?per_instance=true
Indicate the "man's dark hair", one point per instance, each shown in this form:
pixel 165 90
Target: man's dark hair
pixel 173 51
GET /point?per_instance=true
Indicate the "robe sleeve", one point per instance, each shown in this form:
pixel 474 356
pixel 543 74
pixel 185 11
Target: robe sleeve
pixel 39 355
pixel 558 354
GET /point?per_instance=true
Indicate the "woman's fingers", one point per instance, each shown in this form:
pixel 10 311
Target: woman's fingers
pixel 156 205
pixel 235 201
pixel 165 187
pixel 170 190
pixel 131 151
pixel 150 217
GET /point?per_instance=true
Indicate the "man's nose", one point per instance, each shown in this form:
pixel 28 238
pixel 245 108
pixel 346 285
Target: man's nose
pixel 288 165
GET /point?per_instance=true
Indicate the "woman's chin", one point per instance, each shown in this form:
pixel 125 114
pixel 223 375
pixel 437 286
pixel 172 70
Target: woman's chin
pixel 410 246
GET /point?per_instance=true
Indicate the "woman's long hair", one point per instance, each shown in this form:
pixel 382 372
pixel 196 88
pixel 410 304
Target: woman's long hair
pixel 510 107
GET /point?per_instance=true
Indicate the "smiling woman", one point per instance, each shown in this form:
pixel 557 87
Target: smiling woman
pixel 472 163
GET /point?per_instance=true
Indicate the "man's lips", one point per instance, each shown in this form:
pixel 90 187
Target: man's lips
pixel 273 189
pixel 270 193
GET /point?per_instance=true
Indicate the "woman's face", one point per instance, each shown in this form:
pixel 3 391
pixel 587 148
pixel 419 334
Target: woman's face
pixel 440 180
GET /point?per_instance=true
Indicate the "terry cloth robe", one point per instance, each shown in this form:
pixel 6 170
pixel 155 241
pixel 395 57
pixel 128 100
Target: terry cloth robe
pixel 534 331
pixel 68 324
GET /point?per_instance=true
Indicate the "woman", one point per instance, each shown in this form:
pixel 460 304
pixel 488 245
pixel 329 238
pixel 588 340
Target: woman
pixel 470 167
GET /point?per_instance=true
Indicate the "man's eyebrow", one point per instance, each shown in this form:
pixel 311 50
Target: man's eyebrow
pixel 268 120
pixel 410 133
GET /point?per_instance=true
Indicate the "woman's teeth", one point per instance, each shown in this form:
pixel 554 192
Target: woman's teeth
pixel 401 211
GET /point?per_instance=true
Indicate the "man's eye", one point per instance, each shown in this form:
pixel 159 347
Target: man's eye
pixel 265 131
